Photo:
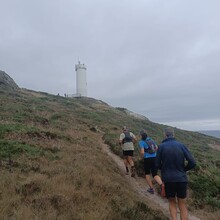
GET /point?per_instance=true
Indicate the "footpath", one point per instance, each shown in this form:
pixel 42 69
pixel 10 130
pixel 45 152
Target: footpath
pixel 140 186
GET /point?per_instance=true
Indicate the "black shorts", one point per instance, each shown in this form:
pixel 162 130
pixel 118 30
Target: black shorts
pixel 149 166
pixel 128 153
pixel 178 189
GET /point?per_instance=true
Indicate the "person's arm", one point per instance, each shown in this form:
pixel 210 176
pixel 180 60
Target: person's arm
pixel 141 149
pixel 189 158
pixel 134 140
pixel 121 139
pixel 142 152
pixel 120 142
pixel 158 161
pixel 156 145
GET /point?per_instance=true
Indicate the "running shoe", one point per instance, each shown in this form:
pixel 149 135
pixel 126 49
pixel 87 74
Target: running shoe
pixel 151 190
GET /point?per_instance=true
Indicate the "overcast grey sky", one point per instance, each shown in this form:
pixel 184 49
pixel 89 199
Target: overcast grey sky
pixel 154 57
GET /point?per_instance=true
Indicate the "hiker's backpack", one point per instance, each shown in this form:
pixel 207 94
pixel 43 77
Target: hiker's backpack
pixel 127 137
pixel 152 147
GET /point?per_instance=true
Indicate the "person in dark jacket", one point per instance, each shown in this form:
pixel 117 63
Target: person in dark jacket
pixel 171 158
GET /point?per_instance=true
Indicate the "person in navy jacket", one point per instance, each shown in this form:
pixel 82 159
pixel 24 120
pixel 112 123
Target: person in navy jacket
pixel 174 159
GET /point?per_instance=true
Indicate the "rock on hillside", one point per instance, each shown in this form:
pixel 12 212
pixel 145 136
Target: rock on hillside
pixel 6 82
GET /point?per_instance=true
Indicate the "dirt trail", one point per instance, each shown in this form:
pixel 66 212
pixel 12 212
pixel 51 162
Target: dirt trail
pixel 139 184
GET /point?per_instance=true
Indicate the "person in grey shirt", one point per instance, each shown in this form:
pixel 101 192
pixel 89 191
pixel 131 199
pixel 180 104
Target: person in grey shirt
pixel 127 140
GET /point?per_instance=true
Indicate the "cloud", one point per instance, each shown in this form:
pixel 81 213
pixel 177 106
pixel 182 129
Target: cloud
pixel 159 59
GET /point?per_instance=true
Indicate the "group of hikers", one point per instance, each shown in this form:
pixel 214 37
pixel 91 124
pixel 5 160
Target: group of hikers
pixel 171 157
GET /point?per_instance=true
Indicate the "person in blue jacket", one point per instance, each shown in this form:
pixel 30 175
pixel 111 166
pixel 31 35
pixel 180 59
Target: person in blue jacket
pixel 149 161
pixel 174 160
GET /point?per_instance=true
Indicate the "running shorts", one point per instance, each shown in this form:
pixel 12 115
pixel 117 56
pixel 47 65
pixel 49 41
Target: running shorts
pixel 178 189
pixel 128 153
pixel 149 166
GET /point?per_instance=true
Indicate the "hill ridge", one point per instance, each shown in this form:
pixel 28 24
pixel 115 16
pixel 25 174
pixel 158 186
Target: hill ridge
pixel 52 162
pixel 6 82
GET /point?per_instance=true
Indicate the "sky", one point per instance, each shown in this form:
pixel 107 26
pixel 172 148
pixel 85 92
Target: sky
pixel 156 58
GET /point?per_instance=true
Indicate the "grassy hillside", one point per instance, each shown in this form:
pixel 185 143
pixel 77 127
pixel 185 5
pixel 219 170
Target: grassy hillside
pixel 52 163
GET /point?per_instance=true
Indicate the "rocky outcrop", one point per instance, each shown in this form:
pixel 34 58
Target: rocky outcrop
pixel 6 82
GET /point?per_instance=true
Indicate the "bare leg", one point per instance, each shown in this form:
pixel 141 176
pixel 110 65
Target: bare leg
pixel 183 209
pixel 149 181
pixel 126 164
pixel 173 208
pixel 158 179
pixel 126 161
pixel 130 161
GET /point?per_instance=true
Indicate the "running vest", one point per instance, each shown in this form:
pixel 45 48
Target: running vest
pixel 127 137
pixel 152 147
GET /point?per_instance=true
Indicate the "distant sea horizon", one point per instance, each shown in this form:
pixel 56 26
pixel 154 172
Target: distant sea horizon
pixel 214 133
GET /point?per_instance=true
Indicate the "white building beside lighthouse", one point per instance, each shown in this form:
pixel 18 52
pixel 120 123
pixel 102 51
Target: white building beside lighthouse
pixel 81 83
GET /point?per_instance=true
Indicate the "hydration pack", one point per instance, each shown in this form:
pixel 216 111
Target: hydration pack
pixel 127 137
pixel 152 147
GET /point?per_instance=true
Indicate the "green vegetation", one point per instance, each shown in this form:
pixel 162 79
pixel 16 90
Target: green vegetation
pixel 49 138
pixel 13 149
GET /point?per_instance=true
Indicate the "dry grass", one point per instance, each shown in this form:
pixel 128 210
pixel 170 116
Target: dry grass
pixel 83 184
pixel 72 178
pixel 64 173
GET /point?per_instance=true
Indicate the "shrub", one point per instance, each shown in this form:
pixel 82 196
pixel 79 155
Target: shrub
pixel 9 149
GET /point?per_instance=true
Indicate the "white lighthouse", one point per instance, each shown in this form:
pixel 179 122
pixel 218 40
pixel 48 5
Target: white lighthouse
pixel 81 84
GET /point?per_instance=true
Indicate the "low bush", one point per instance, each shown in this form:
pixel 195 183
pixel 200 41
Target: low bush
pixel 11 149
